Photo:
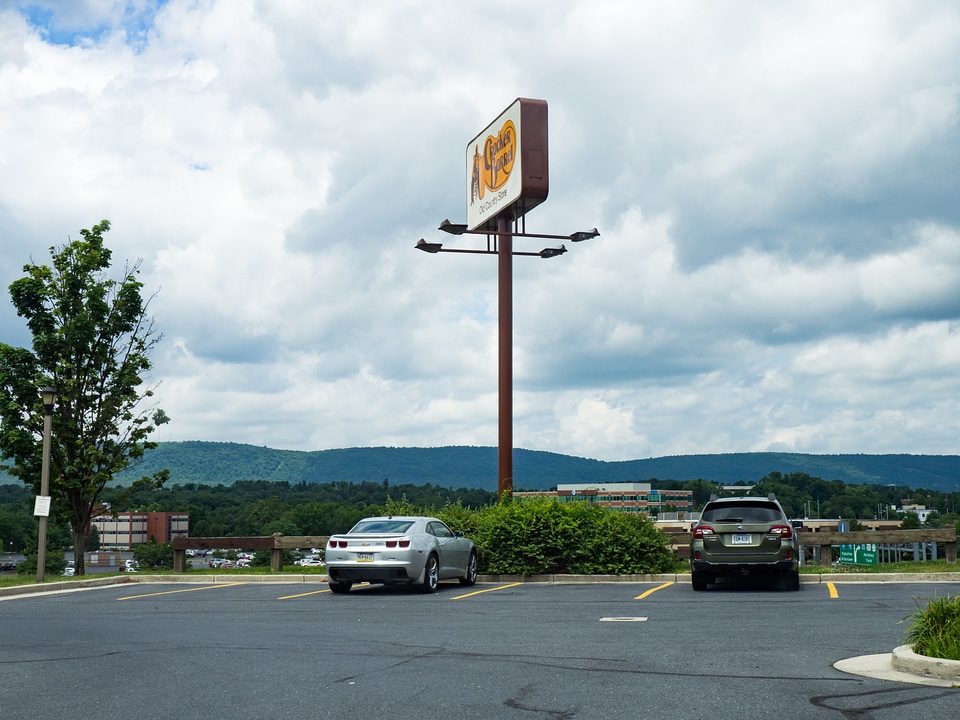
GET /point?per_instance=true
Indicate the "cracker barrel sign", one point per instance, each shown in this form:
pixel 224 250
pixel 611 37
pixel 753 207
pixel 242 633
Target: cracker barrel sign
pixel 507 168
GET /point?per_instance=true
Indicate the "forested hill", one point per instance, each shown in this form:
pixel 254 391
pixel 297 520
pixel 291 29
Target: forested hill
pixel 211 463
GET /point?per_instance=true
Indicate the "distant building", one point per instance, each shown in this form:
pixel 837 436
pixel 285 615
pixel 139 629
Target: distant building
pixel 133 528
pixel 633 497
pixel 920 510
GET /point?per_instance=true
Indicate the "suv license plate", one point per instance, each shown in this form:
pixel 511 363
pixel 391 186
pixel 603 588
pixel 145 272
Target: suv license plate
pixel 364 557
pixel 742 539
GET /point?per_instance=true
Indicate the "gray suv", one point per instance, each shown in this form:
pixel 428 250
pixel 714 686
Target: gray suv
pixel 742 537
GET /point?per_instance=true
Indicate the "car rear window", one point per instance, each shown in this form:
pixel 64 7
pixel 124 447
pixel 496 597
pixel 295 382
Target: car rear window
pixel 741 512
pixel 382 526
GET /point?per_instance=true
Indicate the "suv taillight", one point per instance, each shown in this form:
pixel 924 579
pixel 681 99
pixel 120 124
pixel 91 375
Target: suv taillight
pixel 784 531
pixel 700 530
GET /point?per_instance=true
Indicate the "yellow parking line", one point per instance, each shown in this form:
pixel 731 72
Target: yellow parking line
pixel 480 592
pixel 313 592
pixel 171 592
pixel 833 590
pixel 651 591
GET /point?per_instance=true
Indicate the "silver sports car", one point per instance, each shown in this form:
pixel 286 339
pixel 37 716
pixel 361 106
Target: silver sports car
pixel 400 550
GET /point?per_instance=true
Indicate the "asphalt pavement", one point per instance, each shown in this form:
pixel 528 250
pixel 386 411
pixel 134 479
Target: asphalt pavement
pixel 244 648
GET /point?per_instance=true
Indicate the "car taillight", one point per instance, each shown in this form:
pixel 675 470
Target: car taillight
pixel 397 543
pixel 784 531
pixel 337 543
pixel 404 543
pixel 700 530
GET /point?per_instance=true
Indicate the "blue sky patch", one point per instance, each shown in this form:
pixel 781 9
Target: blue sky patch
pixel 76 24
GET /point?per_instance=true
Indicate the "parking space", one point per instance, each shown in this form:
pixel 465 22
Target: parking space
pixel 499 650
pixel 532 591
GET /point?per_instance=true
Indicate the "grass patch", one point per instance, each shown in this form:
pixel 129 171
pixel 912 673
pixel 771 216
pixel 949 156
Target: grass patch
pixel 927 566
pixel 935 629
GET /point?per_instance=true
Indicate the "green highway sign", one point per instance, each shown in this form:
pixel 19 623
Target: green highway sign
pixel 864 554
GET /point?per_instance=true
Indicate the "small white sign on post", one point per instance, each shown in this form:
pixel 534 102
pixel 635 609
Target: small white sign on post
pixel 41 507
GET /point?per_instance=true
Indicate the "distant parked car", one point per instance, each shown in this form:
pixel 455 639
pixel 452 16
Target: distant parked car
pixel 310 562
pixel 400 550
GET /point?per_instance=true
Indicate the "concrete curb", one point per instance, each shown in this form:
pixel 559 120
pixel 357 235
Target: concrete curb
pixel 882 577
pixel 61 585
pixel 906 660
pixel 95 582
pixel 880 667
pixel 582 579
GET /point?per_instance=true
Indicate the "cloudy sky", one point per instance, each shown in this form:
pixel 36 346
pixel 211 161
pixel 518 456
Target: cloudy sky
pixel 776 186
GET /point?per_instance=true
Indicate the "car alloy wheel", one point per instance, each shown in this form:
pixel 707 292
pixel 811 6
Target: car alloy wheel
pixel 431 575
pixel 470 577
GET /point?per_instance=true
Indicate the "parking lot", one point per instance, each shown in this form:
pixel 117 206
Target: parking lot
pixel 496 650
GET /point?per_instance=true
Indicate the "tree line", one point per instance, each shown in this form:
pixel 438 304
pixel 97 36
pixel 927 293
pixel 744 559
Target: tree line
pixel 803 495
pixel 252 508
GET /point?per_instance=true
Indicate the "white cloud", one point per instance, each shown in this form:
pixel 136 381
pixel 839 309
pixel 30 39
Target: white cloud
pixel 775 187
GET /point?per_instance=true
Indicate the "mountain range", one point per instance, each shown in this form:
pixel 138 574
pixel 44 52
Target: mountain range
pixel 217 463
pixel 212 463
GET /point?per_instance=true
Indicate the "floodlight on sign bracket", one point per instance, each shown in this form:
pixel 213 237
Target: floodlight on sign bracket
pixel 492 237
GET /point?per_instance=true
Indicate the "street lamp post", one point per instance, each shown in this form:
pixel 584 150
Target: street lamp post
pixel 504 251
pixel 49 397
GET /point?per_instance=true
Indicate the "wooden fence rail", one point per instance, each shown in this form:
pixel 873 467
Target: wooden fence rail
pixel 276 543
pixel 826 539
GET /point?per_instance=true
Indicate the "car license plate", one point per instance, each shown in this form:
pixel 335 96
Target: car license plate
pixel 742 539
pixel 364 557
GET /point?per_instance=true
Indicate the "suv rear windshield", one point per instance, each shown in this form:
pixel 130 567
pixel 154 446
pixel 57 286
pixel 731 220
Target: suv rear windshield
pixel 745 512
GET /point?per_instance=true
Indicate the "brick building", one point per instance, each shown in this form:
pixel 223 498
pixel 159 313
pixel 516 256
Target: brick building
pixel 133 528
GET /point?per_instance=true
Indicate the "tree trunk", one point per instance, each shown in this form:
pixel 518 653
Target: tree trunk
pixel 79 546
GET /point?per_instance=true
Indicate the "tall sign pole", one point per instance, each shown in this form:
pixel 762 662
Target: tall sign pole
pixel 505 340
pixel 507 176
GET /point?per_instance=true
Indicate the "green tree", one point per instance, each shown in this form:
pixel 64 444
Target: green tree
pixel 93 541
pixel 92 341
pixel 911 521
